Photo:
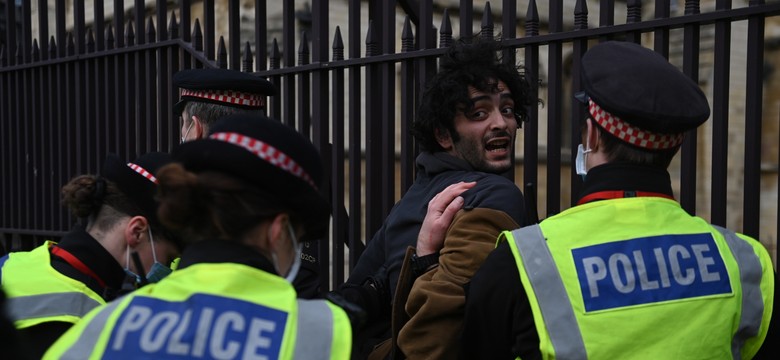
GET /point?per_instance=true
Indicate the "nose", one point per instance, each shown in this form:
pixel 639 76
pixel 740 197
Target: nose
pixel 498 121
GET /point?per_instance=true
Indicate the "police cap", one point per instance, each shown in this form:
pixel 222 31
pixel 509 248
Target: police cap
pixel 221 86
pixel 638 96
pixel 269 155
pixel 137 180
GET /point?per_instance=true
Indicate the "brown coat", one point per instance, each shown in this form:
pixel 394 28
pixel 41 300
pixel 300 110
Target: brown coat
pixel 427 323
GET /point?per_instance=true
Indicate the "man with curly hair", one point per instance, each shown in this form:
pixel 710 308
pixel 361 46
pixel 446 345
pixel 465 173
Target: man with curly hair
pixel 466 125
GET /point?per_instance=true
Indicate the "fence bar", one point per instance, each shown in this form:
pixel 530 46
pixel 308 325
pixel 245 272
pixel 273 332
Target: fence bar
pixel 119 23
pixel 162 19
pixel 408 106
pixel 355 139
pixel 754 96
pixel 131 66
pixel 466 15
pixel 99 24
pixel 633 16
pixel 185 31
pixel 661 35
pixel 288 44
pixel 48 84
pixel 60 127
pixel 555 112
pixel 606 13
pixel 691 47
pixel 261 35
pixel 210 29
pixel 234 34
pixel 339 233
pixel 578 109
pixel 148 101
pixel 91 139
pixel 386 104
pixel 321 129
pixel 509 30
pixel 6 144
pixel 171 61
pixel 138 21
pixel 26 20
pixel 10 32
pixel 720 113
pixel 373 137
pixel 304 95
pixel 531 127
pixel 43 28
pixel 30 197
pixel 276 101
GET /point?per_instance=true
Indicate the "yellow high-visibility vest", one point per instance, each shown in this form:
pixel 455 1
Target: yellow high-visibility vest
pixel 37 293
pixel 211 310
pixel 639 278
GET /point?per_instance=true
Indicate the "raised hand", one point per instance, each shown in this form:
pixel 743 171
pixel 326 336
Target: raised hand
pixel 441 210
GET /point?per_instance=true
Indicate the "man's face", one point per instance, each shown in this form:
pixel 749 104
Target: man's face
pixel 487 131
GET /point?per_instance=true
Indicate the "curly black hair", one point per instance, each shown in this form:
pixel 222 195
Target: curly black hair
pixel 466 63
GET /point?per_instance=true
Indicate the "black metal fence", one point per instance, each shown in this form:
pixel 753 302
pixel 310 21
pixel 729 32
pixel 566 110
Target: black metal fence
pixel 103 85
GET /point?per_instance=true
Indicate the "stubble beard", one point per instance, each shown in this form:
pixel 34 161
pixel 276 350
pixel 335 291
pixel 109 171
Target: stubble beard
pixel 475 154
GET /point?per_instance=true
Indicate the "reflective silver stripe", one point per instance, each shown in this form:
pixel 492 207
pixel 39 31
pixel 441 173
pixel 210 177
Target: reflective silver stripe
pixel 750 274
pixel 315 330
pixel 550 292
pixel 88 338
pixel 52 304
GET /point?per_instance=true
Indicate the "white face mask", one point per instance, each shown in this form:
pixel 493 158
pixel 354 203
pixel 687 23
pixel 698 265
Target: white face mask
pixel 579 161
pixel 296 265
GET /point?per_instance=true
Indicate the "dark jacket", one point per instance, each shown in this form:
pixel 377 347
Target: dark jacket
pixel 435 171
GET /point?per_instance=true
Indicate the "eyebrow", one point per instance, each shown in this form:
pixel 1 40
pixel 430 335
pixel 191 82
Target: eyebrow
pixel 504 95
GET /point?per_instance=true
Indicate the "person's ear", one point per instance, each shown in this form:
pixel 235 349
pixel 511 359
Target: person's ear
pixel 136 228
pixel 199 128
pixel 443 138
pixel 595 135
pixel 277 230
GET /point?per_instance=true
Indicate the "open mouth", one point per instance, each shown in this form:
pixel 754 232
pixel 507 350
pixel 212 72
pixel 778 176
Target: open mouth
pixel 497 145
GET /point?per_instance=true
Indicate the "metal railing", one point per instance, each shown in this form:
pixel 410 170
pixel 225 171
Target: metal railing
pixel 68 99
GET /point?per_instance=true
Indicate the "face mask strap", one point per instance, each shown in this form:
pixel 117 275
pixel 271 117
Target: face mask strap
pixel 587 144
pixel 292 235
pixel 127 258
pixel 151 240
pixel 296 265
pixel 187 132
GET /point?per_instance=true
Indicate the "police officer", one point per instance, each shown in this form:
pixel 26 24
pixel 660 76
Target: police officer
pixel 244 198
pixel 626 273
pixel 53 286
pixel 209 94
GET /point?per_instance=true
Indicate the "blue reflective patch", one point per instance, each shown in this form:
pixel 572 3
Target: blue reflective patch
pixel 2 263
pixel 649 270
pixel 202 326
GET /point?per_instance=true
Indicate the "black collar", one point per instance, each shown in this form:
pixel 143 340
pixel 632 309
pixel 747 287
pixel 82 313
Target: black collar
pixel 224 251
pixel 89 251
pixel 627 178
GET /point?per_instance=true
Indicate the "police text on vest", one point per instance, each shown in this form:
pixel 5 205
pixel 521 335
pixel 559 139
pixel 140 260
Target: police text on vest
pixel 651 269
pixel 203 326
